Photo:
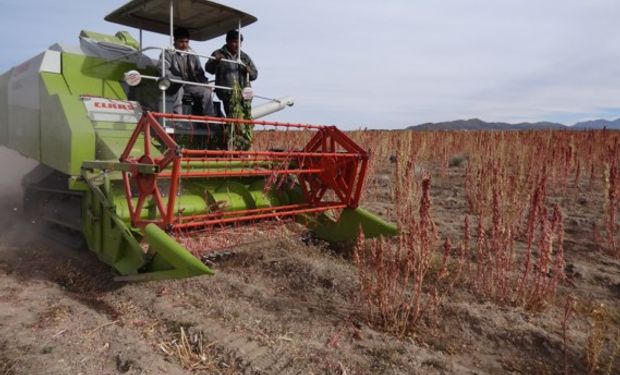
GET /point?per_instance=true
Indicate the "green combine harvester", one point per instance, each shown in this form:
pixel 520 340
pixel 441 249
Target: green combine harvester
pixel 132 178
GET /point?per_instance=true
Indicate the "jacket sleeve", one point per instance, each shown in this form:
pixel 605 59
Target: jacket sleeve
pixel 200 73
pixel 250 63
pixel 167 56
pixel 211 64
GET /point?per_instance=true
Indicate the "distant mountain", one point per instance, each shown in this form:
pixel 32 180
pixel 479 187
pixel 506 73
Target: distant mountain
pixel 477 124
pixel 598 124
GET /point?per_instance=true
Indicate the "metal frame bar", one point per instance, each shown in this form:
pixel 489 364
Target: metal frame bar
pixel 308 209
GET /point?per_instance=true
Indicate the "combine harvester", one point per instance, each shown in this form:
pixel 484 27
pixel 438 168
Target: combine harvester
pixel 134 179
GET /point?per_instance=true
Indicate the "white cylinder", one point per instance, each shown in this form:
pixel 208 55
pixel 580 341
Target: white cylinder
pixel 272 106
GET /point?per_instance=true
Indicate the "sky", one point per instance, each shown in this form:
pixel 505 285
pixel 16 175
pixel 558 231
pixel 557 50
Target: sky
pixel 394 63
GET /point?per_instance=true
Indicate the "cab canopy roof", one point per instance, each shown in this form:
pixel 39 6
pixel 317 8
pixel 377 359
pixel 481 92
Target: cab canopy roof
pixel 204 19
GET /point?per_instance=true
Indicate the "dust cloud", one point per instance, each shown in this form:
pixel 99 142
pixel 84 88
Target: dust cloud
pixel 13 167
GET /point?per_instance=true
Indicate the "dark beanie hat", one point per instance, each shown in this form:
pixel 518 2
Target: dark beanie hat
pixel 233 35
pixel 181 32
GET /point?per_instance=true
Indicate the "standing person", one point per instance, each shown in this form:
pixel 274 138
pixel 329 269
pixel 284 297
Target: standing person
pixel 227 73
pixel 179 65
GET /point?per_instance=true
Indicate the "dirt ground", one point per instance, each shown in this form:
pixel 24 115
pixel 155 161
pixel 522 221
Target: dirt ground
pixel 284 307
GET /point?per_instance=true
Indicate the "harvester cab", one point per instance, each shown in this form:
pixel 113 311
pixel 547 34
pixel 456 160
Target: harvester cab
pixel 145 186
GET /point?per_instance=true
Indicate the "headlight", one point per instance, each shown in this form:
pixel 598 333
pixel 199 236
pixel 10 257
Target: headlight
pixel 133 78
pixel 163 83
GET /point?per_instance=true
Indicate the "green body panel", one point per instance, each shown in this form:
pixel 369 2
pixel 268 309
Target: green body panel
pixel 21 114
pixel 106 235
pixel 120 38
pixel 188 204
pixel 26 137
pixel 117 244
pixel 92 76
pixel 112 140
pixel 200 197
pixel 68 137
pixel 54 84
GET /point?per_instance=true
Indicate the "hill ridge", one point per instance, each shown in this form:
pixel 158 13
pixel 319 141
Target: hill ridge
pixel 478 124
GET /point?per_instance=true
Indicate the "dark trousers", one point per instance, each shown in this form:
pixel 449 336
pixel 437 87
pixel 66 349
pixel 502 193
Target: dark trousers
pixel 201 95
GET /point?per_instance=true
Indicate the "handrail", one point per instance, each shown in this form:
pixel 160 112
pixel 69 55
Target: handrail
pixel 142 50
pixel 181 81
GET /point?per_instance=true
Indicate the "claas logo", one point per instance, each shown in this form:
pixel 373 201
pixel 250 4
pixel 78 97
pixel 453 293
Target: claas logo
pixel 118 106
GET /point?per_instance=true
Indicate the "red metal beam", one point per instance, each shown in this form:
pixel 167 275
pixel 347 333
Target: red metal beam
pixel 186 153
pixel 240 173
pixel 252 211
pixel 311 209
pixel 236 121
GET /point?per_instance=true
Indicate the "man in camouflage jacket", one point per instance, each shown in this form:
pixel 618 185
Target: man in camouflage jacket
pixel 226 73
